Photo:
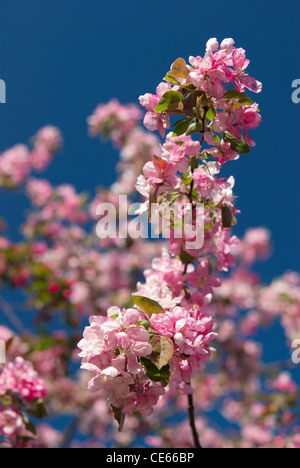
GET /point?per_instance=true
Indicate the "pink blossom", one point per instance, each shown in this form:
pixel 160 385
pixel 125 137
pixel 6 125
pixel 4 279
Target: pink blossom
pixel 248 116
pixel 15 166
pixel 284 383
pixel 208 80
pixel 204 182
pixel 40 157
pixel 201 278
pixel 155 120
pixel 39 191
pixel 50 136
pixel 159 171
pixel 224 153
pixel 241 80
pixel 11 424
pixel 255 245
pixel 79 292
pixel 191 336
pixel 114 120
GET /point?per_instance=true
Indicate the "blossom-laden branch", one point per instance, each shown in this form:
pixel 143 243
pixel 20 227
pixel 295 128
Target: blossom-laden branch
pixel 137 354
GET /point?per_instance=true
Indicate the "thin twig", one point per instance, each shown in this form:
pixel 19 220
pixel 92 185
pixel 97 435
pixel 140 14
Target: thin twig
pixel 192 421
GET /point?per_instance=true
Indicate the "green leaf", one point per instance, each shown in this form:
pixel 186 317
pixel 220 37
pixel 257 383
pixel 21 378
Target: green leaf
pixel 190 87
pixel 129 304
pixel 211 113
pixel 242 97
pixel 39 285
pixel 39 410
pixel 170 97
pixel 236 145
pixel 185 257
pixel 181 127
pixel 153 373
pixel 195 127
pixel 30 426
pixel 205 155
pixel 171 80
pixel 164 381
pixel 149 306
pixel 163 350
pixel 143 323
pixel 217 139
pixel 187 178
pixel 45 342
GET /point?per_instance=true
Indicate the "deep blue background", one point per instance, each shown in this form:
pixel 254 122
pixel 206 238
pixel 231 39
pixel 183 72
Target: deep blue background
pixel 59 59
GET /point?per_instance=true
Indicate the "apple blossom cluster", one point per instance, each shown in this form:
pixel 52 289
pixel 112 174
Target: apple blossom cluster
pixel 19 377
pixel 169 344
pixel 17 163
pixel 114 121
pixel 204 82
pixel 21 391
pixel 111 349
pixel 281 299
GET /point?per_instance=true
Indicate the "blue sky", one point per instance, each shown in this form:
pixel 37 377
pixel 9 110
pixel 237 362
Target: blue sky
pixel 60 58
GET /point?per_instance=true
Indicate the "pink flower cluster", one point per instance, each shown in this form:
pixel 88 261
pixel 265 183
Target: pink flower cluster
pixel 110 349
pixel 56 205
pixel 114 120
pixel 282 299
pixel 19 377
pixel 14 166
pixel 191 337
pixel 18 162
pixel 161 178
pixel 47 141
pixel 221 63
pixel 220 67
pixel 255 245
pixel 189 325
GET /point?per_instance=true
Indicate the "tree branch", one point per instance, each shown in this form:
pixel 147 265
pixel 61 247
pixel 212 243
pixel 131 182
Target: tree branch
pixel 192 421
